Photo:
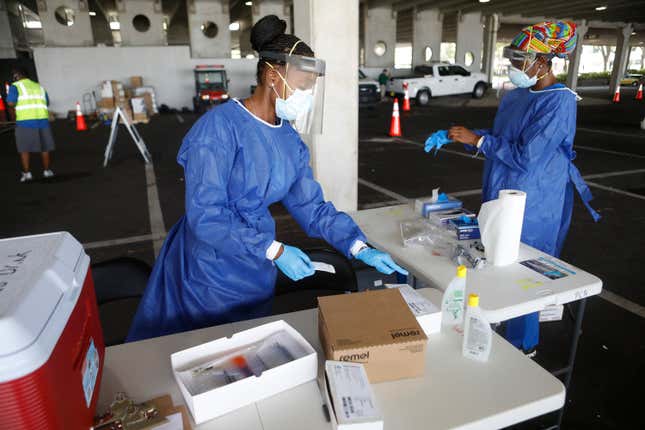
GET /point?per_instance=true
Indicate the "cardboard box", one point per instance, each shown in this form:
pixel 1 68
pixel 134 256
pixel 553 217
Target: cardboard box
pixel 105 89
pixel 349 397
pixel 429 205
pixel 151 99
pixel 243 392
pixel 375 328
pixel 465 230
pixel 138 105
pixel 140 117
pixel 150 104
pixel 136 81
pixel 105 103
pixel 427 314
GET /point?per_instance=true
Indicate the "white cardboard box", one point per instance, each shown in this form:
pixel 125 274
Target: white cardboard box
pixel 354 406
pixel 220 401
pixel 427 314
pixel 138 105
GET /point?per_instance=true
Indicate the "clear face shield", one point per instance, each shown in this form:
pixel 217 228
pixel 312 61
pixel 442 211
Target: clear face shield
pixel 301 101
pixel 520 60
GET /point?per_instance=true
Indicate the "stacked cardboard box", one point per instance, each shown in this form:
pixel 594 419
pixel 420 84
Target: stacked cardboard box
pixel 113 94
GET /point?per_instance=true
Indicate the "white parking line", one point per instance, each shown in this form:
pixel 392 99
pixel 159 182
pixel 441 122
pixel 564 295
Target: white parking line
pixel 622 302
pixel 611 174
pixel 612 133
pixel 608 151
pixel 116 242
pixel 385 191
pixel 615 190
pixel 157 226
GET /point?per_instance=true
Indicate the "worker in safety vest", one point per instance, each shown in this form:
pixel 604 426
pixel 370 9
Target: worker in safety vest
pixel 27 102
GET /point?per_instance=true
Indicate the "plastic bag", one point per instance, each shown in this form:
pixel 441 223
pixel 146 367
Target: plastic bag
pixel 421 232
pixel 250 360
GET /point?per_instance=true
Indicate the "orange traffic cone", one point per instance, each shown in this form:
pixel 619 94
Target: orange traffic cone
pixel 406 98
pixel 80 119
pixel 617 94
pixel 3 110
pixel 395 124
pixel 639 94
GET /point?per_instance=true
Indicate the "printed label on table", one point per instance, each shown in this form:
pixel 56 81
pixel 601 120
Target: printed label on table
pixel 90 372
pixel 418 304
pixel 353 399
pixel 548 268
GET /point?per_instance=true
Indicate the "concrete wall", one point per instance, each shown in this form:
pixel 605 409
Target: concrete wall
pixel 167 68
pixel 151 9
pixel 428 26
pixel 262 8
pixel 470 37
pixel 57 34
pixel 6 38
pixel 201 11
pixel 380 26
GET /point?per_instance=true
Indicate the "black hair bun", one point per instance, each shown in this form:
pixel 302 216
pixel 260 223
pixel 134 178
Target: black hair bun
pixel 266 30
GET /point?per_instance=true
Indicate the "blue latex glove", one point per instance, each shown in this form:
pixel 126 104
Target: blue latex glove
pixel 436 141
pixel 294 263
pixel 380 261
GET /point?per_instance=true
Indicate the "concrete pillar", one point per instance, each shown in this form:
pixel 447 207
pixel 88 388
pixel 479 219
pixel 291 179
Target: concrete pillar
pixel 490 44
pixel 380 27
pixel 620 58
pixel 150 9
pixel 200 14
pixel 57 34
pixel 427 29
pixel 334 153
pixel 280 8
pixel 7 49
pixel 469 39
pixel 574 57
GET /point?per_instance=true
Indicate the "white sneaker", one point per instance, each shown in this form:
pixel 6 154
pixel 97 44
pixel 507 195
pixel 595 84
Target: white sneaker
pixel 48 173
pixel 26 177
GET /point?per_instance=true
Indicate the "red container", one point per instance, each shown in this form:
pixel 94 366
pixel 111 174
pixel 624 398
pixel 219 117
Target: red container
pixel 51 348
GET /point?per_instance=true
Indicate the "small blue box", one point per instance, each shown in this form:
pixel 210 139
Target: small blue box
pixel 426 207
pixel 466 230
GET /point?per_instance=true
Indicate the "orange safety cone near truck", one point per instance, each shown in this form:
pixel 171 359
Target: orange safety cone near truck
pixel 617 94
pixel 395 124
pixel 3 110
pixel 406 98
pixel 639 94
pixel 80 119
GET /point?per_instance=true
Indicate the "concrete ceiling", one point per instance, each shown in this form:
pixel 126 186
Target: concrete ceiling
pixel 617 11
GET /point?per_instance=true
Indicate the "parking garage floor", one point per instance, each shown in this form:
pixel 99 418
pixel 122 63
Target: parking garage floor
pixel 110 211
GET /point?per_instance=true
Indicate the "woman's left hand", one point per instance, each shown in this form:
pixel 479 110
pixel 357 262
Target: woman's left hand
pixel 463 135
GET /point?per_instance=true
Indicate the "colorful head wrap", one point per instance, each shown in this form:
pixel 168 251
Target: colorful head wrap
pixel 556 38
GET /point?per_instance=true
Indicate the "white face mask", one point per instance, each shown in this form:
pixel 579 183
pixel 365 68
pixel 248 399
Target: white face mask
pixel 520 79
pixel 295 106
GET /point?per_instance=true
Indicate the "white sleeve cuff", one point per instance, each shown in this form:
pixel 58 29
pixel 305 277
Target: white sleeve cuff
pixel 273 250
pixel 480 141
pixel 357 247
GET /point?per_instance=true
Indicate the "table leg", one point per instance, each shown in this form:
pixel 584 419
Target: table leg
pixel 572 354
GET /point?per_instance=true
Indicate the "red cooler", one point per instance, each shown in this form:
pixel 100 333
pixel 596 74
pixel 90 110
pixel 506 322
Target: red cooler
pixel 51 344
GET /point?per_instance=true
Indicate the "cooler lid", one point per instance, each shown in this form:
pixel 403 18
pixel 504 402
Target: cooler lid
pixel 39 276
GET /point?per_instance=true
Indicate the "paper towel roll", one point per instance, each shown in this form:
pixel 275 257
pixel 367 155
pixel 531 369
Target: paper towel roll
pixel 500 225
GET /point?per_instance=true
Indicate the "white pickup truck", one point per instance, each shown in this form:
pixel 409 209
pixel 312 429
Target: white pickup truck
pixel 439 79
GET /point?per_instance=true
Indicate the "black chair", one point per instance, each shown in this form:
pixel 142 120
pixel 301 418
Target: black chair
pixel 291 296
pixel 119 286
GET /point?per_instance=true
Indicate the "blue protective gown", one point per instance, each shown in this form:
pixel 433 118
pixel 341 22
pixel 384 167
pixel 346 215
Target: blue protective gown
pixel 212 268
pixel 530 148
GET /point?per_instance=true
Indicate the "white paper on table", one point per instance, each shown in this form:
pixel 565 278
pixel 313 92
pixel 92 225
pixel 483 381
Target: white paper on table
pixel 500 225
pixel 418 304
pixel 319 266
pixel 175 422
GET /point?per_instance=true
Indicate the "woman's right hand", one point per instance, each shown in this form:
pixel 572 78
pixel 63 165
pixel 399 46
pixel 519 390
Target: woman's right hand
pixel 436 141
pixel 294 263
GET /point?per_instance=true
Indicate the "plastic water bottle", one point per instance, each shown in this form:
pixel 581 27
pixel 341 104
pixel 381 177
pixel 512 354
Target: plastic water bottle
pixel 452 304
pixel 478 335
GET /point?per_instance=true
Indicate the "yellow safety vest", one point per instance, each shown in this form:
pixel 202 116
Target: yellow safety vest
pixel 32 101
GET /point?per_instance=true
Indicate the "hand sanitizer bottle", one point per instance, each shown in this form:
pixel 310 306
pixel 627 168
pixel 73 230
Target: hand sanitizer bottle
pixel 478 335
pixel 452 304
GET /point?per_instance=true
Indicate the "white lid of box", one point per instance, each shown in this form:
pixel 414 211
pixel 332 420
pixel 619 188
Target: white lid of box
pixel 41 277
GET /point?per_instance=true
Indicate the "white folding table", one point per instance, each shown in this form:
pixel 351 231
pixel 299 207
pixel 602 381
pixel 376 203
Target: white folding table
pixel 505 292
pixel 454 393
